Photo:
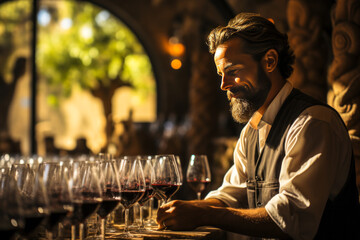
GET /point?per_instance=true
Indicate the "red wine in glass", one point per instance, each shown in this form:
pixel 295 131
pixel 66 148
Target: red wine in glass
pixel 166 191
pixel 110 201
pixel 132 186
pixel 32 222
pixel 198 185
pixel 56 216
pixel 83 210
pixel 167 176
pixel 107 206
pixel 130 197
pixel 198 174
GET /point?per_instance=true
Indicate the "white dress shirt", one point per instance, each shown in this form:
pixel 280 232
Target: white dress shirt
pixel 314 169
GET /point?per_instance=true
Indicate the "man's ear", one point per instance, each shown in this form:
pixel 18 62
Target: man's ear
pixel 271 60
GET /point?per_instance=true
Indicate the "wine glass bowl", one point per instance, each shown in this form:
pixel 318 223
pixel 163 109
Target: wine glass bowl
pixel 110 187
pixel 33 197
pixel 198 174
pixel 149 176
pixel 54 175
pixel 132 185
pixel 167 176
pixel 11 221
pixel 86 192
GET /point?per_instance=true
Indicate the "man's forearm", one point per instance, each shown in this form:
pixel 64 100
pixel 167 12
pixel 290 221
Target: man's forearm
pixel 187 215
pixel 211 202
pixel 253 222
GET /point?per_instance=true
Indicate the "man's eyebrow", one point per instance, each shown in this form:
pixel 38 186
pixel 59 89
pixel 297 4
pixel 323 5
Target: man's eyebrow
pixel 228 65
pixel 233 65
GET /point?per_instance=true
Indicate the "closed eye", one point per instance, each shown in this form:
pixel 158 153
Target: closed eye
pixel 232 72
pixel 234 69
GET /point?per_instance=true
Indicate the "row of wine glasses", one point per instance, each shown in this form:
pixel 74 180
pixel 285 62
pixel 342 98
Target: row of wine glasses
pixel 49 191
pixel 69 190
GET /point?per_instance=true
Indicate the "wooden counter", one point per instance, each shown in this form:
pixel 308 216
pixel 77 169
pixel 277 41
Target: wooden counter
pixel 203 233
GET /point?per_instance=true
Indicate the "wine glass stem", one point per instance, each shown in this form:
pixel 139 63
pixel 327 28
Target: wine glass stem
pixel 150 203
pixel 198 195
pixel 103 221
pixel 81 231
pixel 126 229
pixel 141 217
pixel 73 232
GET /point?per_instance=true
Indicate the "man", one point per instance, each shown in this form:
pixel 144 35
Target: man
pixel 293 173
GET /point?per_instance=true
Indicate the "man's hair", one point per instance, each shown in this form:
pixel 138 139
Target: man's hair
pixel 259 35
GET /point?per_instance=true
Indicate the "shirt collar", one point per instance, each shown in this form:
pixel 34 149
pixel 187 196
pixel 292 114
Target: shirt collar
pixel 258 120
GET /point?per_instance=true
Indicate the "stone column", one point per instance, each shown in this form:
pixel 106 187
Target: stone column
pixel 344 71
pixel 306 20
pixel 202 85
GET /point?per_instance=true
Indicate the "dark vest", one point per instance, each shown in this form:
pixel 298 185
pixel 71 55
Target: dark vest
pixel 341 216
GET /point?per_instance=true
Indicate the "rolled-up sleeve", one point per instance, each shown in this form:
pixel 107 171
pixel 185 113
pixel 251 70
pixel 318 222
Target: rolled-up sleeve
pixel 314 169
pixel 233 190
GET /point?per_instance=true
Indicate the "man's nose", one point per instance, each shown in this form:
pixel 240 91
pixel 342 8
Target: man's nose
pixel 226 83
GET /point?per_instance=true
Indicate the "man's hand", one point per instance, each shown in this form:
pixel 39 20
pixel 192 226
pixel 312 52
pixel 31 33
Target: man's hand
pixel 179 215
pixel 185 215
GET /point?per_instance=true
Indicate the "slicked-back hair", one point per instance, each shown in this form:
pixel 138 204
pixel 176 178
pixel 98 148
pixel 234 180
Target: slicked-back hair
pixel 259 35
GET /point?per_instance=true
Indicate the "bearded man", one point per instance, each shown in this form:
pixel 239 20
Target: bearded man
pixel 293 173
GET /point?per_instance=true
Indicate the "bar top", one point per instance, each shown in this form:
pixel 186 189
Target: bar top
pixel 201 233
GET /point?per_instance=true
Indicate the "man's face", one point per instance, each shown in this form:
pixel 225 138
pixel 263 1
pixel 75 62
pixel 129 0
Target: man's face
pixel 243 78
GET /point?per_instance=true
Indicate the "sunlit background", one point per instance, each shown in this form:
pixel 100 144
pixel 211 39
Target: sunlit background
pixel 92 70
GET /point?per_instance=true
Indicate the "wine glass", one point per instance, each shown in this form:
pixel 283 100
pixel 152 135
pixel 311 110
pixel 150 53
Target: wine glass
pixel 110 187
pixel 149 176
pixel 86 192
pixel 133 186
pixel 167 176
pixel 54 175
pixel 11 221
pixel 33 197
pixel 198 174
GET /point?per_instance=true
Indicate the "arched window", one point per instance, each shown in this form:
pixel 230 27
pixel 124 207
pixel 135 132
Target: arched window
pixel 92 75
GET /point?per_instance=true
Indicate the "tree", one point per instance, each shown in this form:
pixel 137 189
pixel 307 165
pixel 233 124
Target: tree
pixel 85 46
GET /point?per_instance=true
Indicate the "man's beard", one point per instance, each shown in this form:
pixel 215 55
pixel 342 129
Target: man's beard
pixel 243 108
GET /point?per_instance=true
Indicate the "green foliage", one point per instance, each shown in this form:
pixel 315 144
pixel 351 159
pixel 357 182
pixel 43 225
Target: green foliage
pixel 96 48
pixel 14 15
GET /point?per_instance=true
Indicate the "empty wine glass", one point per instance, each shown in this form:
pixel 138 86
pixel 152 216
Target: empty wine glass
pixel 198 174
pixel 110 186
pixel 133 187
pixel 167 176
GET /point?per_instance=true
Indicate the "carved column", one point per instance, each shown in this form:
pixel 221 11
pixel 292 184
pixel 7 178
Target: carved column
pixel 310 45
pixel 344 72
pixel 202 106
pixel 202 85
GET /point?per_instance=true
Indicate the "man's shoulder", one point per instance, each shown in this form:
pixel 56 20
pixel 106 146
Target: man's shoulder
pixel 321 115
